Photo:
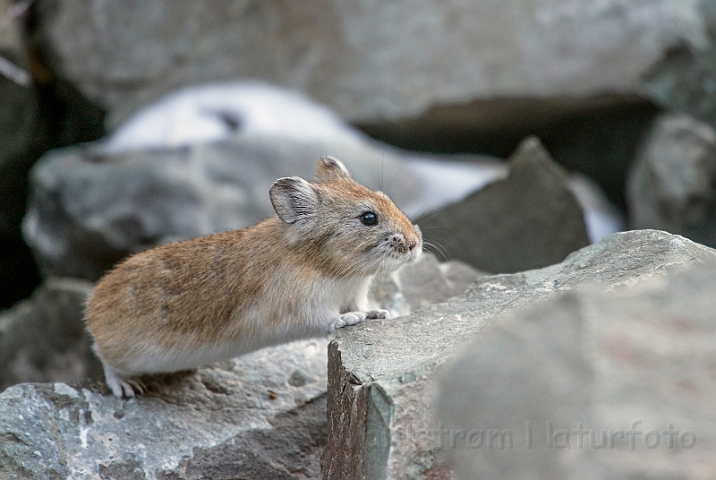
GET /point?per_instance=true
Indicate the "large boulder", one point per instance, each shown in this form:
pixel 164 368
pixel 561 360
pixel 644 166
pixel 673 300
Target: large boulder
pixel 672 184
pixel 530 219
pixel 382 374
pixel 590 385
pixel 262 415
pixel 372 60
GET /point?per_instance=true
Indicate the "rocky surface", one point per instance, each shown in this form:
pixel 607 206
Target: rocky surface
pixel 672 185
pixel 422 283
pixel 224 420
pixel 382 374
pixel 632 369
pixel 529 220
pixel 258 416
pixel 43 338
pixel 372 60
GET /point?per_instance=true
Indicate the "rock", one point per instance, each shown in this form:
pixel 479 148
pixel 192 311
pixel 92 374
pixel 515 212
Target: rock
pixel 382 374
pixel 609 364
pixel 249 416
pixel 43 339
pixel 94 204
pixel 262 415
pixel 529 220
pixel 421 283
pixel 672 185
pixel 685 78
pixel 395 61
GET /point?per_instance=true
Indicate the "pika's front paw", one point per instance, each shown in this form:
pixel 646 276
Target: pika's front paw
pixel 378 313
pixel 345 320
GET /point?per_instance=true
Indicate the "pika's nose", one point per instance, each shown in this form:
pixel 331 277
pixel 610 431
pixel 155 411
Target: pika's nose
pixel 412 244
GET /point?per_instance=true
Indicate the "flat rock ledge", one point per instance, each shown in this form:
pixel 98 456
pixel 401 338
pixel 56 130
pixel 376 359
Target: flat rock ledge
pixel 382 374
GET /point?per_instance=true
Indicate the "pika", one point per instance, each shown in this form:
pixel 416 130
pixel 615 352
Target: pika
pixel 300 274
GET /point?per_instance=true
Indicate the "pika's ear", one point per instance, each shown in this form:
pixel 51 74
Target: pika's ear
pixel 330 168
pixel 294 199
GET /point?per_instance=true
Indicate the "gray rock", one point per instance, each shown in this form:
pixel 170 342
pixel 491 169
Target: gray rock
pixel 247 416
pixel 421 283
pixel 89 209
pixel 262 415
pixel 373 60
pixel 43 339
pixel 672 185
pixel 685 78
pixel 604 363
pixel 529 220
pixel 382 374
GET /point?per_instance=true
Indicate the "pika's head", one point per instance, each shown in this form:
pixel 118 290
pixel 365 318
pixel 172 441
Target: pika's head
pixel 344 227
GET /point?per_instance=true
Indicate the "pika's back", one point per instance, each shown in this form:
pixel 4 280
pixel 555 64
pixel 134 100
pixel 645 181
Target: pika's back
pixel 170 287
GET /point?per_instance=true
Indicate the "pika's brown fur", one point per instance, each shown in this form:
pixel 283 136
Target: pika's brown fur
pixel 300 274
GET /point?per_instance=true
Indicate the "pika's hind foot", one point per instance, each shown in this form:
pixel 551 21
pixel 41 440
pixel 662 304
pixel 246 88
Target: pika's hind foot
pixel 122 387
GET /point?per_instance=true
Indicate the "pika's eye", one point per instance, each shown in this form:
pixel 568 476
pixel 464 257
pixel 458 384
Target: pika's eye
pixel 369 218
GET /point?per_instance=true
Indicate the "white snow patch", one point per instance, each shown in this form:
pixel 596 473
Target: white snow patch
pixel 445 182
pixel 216 111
